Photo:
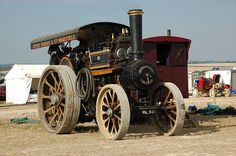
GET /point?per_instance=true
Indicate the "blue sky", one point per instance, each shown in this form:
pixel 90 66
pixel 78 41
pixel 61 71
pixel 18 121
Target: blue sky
pixel 210 24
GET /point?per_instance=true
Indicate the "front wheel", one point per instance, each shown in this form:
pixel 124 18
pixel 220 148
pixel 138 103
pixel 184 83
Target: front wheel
pixel 170 113
pixel 113 111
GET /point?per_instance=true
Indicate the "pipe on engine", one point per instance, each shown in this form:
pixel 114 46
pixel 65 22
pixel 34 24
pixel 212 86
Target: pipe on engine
pixel 135 18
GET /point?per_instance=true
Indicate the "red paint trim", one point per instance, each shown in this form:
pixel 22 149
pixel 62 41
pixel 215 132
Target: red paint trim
pixel 166 39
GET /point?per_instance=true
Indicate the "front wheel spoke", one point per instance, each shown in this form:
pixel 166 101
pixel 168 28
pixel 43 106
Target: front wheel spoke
pixel 109 92
pixel 117 117
pixel 105 120
pixel 108 123
pixel 104 112
pixel 113 98
pixel 114 128
pixel 114 125
pixel 107 101
pixel 110 102
pixel 117 106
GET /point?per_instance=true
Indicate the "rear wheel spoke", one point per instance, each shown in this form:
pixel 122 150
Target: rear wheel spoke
pixel 49 109
pixel 52 88
pixel 53 118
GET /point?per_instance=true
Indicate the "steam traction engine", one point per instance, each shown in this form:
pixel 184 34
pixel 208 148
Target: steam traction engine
pixel 104 78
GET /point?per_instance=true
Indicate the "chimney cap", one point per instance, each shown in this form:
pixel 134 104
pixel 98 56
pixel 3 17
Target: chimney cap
pixel 135 12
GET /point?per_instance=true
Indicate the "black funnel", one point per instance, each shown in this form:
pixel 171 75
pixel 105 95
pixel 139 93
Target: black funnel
pixel 135 18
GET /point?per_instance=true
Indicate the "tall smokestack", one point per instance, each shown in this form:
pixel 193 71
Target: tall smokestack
pixel 135 19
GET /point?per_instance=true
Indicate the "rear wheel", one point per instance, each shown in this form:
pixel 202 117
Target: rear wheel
pixel 113 112
pixel 170 113
pixel 58 104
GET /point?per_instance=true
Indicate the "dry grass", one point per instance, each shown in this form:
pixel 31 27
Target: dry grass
pixel 6 123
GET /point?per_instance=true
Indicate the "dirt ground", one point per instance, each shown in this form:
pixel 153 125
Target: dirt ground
pixel 211 135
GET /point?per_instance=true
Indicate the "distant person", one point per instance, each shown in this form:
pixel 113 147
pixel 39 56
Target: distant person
pixel 218 80
pixel 201 85
pixel 221 82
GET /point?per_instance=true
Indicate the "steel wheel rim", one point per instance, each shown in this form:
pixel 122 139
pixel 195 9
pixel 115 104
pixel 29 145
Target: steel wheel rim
pixel 112 112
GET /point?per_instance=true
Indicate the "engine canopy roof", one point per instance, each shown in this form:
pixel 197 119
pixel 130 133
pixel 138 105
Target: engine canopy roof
pixel 87 34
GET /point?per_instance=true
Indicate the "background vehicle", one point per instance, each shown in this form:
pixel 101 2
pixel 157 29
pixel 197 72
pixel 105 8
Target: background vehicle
pixel 220 88
pixel 207 87
pixel 107 79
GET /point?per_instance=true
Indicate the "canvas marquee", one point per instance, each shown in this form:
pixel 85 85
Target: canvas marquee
pixel 20 81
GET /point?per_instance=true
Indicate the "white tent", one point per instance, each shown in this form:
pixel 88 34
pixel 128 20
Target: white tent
pixel 20 80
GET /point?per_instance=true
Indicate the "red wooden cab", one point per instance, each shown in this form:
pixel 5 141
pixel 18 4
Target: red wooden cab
pixel 170 55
